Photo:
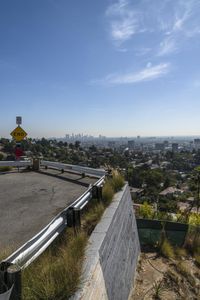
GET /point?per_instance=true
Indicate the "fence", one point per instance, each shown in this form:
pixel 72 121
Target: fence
pixel 150 232
pixel 10 268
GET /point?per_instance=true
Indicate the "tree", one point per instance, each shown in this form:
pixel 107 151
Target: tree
pixel 196 179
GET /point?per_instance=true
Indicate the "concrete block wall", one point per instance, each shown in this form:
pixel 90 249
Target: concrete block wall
pixel 112 253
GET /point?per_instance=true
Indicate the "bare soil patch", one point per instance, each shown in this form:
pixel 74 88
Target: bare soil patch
pixel 166 279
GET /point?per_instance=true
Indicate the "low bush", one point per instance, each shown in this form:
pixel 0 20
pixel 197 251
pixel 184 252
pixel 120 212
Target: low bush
pixel 146 211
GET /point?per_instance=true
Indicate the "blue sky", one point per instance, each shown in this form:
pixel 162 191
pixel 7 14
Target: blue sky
pixel 118 68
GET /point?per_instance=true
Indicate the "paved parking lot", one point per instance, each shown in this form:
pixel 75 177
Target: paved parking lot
pixel 30 200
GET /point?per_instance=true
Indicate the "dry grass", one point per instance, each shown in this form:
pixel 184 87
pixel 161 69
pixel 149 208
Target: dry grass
pixel 56 274
pixel 180 252
pixel 112 186
pixel 4 253
pixel 117 181
pixel 167 249
pixel 5 169
pixel 182 268
pixel 92 217
pixel 107 192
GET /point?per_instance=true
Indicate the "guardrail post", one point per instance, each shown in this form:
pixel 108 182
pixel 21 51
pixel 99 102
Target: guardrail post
pixel 97 192
pixel 73 217
pixel 77 218
pixel 70 217
pixel 14 278
pixel 11 280
pixel 36 164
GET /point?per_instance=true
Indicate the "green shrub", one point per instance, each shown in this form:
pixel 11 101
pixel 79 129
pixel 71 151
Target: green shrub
pixel 167 249
pixel 146 211
pixel 194 219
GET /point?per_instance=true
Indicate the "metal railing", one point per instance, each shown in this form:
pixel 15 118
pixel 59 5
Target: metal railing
pixel 75 168
pixel 16 163
pixel 70 216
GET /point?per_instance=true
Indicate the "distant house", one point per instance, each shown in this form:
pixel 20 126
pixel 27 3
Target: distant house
pixel 136 192
pixel 171 191
pixel 186 206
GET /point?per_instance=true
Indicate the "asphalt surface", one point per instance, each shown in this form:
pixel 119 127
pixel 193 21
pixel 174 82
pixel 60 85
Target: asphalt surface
pixel 30 200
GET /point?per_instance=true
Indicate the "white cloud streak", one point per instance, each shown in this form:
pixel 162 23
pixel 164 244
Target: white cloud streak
pixel 180 29
pixel 173 21
pixel 167 46
pixel 122 21
pixel 148 73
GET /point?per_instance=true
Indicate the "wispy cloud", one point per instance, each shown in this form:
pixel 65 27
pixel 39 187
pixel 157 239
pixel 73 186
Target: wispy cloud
pixel 167 46
pixel 148 73
pixel 170 22
pixel 184 25
pixel 123 21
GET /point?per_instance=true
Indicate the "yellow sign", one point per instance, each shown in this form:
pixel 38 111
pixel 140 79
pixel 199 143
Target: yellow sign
pixel 18 134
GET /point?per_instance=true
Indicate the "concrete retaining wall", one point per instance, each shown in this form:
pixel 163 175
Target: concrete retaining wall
pixel 112 253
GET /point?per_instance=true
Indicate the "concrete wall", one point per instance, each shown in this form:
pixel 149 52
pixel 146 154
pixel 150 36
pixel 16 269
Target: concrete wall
pixel 112 253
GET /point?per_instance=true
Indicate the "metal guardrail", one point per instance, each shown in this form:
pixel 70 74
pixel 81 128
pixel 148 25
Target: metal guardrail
pixel 79 169
pixel 34 247
pixel 70 216
pixel 16 163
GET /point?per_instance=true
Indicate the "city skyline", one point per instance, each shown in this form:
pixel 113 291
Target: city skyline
pixel 115 68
